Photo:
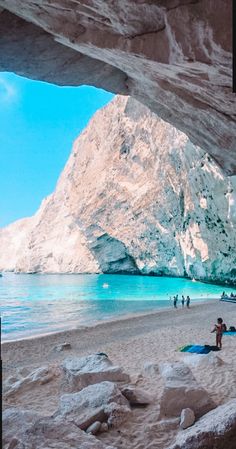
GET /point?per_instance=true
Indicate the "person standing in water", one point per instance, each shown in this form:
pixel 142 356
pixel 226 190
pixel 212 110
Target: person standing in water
pixel 219 328
pixel 175 301
pixel 188 301
pixel 182 300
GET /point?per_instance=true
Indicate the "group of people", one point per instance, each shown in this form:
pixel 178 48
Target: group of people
pixel 225 296
pixel 183 301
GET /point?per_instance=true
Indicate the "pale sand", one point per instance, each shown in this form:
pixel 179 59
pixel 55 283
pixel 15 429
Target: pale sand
pixel 130 342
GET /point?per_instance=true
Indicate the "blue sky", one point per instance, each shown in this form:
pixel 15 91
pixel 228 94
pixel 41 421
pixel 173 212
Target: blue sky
pixel 38 124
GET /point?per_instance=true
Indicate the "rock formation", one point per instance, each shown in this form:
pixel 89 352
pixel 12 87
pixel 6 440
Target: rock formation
pixel 172 55
pixel 215 430
pixel 182 391
pixel 136 196
pixel 89 370
pixel 93 403
pixel 23 429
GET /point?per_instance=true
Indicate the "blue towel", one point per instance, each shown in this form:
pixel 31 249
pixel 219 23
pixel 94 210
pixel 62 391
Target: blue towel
pixel 198 349
pixel 230 333
pixel 195 349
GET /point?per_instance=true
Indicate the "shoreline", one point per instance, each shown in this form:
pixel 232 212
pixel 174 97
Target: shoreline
pixel 226 284
pixel 36 350
pixel 109 321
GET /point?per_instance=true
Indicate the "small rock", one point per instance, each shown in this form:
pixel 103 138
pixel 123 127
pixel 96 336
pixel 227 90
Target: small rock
pixel 104 427
pixel 136 396
pixel 62 347
pixel 23 372
pixel 187 418
pixel 116 414
pixel 94 428
pixel 151 369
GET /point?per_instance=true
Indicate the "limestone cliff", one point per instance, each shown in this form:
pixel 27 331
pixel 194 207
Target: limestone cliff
pixel 135 196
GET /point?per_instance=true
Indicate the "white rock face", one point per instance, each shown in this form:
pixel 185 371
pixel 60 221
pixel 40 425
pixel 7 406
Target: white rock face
pixel 216 429
pixel 40 376
pixel 210 360
pixel 181 391
pixel 135 196
pixel 187 418
pixel 92 404
pixel 27 430
pixel 88 370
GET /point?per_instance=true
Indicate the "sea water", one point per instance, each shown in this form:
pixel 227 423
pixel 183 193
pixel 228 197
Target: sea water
pixel 40 303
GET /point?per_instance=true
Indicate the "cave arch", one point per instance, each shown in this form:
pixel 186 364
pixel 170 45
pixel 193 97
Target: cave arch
pixel 174 56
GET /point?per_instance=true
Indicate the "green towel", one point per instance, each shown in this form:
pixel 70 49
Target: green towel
pixel 185 348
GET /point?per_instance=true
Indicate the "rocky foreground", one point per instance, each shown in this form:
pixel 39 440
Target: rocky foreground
pixel 136 196
pixel 103 388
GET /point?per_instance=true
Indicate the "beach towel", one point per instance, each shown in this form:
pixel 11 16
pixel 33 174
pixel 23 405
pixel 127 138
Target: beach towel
pixel 198 349
pixel 229 333
pixel 185 348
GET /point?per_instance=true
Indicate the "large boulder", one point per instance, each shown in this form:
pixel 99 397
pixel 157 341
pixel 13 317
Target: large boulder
pixel 215 430
pixel 27 430
pixel 211 360
pixel 91 404
pixel 16 421
pixel 181 391
pixel 84 371
pixel 19 384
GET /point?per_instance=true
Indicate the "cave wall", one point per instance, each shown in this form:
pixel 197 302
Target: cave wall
pixel 174 56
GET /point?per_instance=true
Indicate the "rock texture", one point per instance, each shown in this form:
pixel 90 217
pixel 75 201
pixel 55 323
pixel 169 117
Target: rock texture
pixel 216 429
pixel 19 384
pixel 136 396
pixel 181 391
pixel 187 418
pixel 135 196
pixel 94 368
pixel 27 430
pixel 173 55
pixel 97 402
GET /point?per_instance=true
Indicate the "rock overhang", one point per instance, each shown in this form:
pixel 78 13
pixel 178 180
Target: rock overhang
pixel 174 56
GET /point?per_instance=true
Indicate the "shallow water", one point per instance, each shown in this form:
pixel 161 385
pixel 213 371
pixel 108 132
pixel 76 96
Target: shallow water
pixel 38 304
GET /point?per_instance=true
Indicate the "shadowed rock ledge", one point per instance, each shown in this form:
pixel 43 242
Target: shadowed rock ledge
pixel 174 56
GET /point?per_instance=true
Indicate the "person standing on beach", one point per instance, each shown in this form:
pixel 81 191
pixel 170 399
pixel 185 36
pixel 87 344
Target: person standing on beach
pixel 175 301
pixel 219 328
pixel 182 301
pixel 188 301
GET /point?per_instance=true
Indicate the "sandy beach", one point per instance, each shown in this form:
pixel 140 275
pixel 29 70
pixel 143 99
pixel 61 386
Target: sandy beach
pixel 130 342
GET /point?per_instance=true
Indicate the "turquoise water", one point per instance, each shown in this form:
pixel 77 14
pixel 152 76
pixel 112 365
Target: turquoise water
pixel 37 304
